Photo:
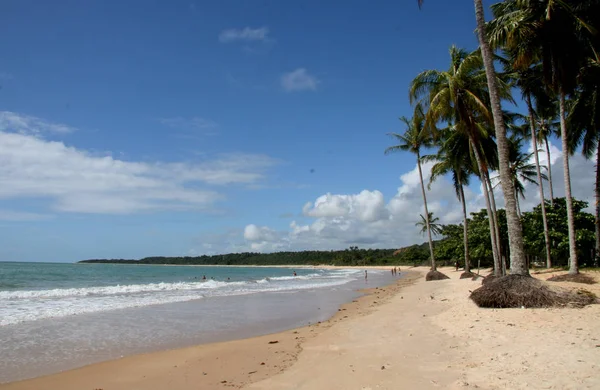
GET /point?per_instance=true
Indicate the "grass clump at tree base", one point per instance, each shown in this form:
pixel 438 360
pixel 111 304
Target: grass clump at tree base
pixel 467 275
pixel 435 275
pixel 577 278
pixel 525 291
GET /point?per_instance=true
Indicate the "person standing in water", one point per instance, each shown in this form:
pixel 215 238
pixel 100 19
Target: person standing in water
pixel 295 273
pixel 365 274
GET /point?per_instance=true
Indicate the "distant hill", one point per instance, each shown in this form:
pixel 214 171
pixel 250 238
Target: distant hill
pixel 413 255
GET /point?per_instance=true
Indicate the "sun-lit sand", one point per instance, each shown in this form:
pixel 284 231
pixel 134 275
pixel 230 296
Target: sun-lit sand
pixel 413 335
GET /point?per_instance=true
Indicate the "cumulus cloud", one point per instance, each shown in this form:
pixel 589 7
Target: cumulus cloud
pixel 299 80
pixel 246 34
pixel 74 180
pixel 337 221
pixel 366 206
pixel 27 124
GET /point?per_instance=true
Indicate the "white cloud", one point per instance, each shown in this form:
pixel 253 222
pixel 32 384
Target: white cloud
pixel 256 233
pixel 246 34
pixel 365 206
pixel 27 124
pixel 76 181
pixel 366 220
pixel 299 80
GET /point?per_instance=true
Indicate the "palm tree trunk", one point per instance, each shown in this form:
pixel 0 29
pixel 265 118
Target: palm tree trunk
pixel 466 230
pixel 573 264
pixel 515 231
pixel 496 224
pixel 597 219
pixel 488 206
pixel 518 205
pixel 539 176
pixel 549 172
pixel 433 267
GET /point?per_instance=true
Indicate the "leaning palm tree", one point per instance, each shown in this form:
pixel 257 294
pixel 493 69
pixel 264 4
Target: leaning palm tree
pixel 414 138
pixel 549 31
pixel 460 96
pixel 515 230
pixel 434 226
pixel 454 158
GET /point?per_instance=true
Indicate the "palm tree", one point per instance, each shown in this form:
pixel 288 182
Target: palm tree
pixel 460 96
pixel 518 263
pixel 434 226
pixel 584 121
pixel 521 170
pixel 414 138
pixel 454 158
pixel 549 31
pixel 546 115
pixel 515 230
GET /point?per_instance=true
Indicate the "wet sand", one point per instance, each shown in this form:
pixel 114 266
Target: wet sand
pixel 414 335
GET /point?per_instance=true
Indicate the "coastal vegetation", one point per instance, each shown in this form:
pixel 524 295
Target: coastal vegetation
pixel 548 51
pixel 448 249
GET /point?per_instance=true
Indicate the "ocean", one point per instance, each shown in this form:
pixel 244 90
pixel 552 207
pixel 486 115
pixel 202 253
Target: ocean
pixel 57 316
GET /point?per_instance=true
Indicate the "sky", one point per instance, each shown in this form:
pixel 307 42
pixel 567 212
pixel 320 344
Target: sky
pixel 145 128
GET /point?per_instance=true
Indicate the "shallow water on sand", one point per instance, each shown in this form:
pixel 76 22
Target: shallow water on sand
pixel 238 309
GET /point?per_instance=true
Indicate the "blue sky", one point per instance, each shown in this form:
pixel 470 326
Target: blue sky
pixel 141 128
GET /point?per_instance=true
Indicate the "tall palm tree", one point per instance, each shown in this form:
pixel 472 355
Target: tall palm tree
pixel 548 31
pixel 414 138
pixel 515 230
pixel 460 96
pixel 521 170
pixel 518 263
pixel 547 125
pixel 584 121
pixel 528 82
pixel 434 226
pixel 454 158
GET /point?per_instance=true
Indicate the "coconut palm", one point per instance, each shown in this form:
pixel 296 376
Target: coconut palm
pixel 454 158
pixel 547 125
pixel 549 31
pixel 584 121
pixel 460 96
pixel 434 226
pixel 414 138
pixel 515 231
pixel 521 170
pixel 528 81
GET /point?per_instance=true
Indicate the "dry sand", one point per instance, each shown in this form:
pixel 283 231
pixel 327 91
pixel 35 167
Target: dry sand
pixel 408 336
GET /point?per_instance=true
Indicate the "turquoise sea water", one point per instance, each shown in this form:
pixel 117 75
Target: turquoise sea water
pixel 33 291
pixel 59 316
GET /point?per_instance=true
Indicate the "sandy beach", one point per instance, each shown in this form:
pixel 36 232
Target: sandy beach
pixel 413 334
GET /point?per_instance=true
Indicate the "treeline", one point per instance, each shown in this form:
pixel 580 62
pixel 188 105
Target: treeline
pixel 353 256
pixel 452 246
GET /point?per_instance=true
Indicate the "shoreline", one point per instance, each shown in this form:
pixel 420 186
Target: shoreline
pixel 410 334
pixel 289 345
